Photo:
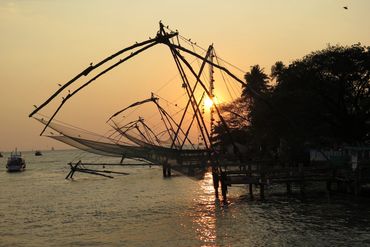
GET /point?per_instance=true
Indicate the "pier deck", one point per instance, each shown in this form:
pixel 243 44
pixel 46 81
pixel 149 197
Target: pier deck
pixel 346 178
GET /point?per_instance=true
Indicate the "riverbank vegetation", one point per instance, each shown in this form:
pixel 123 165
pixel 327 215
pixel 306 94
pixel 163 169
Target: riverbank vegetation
pixel 321 100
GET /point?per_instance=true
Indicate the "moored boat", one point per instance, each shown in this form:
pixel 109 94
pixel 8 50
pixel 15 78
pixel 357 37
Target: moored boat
pixel 15 162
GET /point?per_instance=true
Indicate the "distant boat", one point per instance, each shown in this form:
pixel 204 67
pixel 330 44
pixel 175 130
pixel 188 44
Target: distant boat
pixel 38 153
pixel 15 162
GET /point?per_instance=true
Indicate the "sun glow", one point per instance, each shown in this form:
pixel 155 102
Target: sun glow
pixel 208 103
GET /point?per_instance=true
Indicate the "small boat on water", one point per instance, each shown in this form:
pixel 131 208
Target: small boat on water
pixel 15 162
pixel 38 153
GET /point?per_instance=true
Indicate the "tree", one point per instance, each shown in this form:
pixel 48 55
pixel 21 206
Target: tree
pixel 276 70
pixel 257 82
pixel 241 113
pixel 320 100
pixel 326 96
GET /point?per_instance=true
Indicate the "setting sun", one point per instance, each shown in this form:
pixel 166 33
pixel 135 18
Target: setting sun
pixel 208 103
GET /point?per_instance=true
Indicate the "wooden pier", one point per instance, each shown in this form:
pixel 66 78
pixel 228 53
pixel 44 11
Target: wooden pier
pixel 341 178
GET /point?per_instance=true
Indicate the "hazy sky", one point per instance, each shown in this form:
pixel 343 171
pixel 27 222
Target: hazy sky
pixel 46 42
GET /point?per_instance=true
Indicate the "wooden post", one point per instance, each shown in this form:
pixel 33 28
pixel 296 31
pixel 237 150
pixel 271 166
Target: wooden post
pixel 73 172
pixel 224 186
pixel 262 191
pixel 262 186
pixel 164 169
pixel 289 188
pixel 73 169
pixel 70 172
pixel 357 184
pixel 302 182
pixel 216 181
pixel 251 190
pixel 168 170
pixel 302 187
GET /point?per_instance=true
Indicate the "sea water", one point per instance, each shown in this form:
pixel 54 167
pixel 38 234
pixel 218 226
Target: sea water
pixel 38 207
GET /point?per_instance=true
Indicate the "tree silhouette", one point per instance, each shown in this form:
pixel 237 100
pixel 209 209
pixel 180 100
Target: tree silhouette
pixel 321 100
pixel 257 80
pixel 327 95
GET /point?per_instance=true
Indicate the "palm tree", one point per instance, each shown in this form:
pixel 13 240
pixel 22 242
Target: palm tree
pixel 276 70
pixel 257 83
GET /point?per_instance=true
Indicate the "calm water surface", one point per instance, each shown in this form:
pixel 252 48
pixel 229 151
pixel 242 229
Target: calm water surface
pixel 39 207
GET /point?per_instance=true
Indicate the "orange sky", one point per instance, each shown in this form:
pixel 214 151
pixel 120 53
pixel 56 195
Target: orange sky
pixel 44 43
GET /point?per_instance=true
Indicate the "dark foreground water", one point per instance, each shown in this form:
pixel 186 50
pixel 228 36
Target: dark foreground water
pixel 39 207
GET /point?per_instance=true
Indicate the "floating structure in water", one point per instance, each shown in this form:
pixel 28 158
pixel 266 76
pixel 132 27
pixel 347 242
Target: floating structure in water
pixel 80 167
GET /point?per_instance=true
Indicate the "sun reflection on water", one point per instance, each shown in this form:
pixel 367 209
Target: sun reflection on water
pixel 205 212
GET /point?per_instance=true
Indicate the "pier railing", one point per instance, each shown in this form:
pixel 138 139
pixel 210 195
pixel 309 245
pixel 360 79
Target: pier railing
pixel 346 176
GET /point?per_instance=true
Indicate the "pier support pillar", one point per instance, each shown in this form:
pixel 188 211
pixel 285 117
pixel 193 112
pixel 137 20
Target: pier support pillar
pixel 122 159
pixel 289 188
pixel 166 170
pixel 262 191
pixel 302 188
pixel 169 171
pixel 224 186
pixel 262 183
pixel 251 190
pixel 357 182
pixel 216 181
pixel 302 185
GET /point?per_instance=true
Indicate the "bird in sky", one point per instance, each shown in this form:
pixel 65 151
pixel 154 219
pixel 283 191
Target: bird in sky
pixel 345 7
